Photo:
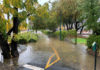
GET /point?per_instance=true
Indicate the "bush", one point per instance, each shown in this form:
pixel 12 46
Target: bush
pixel 22 41
pixel 47 32
pixel 26 37
pixel 64 34
pixel 69 33
pixel 93 38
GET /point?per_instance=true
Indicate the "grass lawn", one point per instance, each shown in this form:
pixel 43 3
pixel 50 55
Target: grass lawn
pixel 80 40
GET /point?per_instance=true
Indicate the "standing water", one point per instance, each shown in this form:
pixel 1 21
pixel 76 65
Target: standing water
pixel 72 57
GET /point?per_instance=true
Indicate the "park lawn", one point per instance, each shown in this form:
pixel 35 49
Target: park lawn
pixel 80 40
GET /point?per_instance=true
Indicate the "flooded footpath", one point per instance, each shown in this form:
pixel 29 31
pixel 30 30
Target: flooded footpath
pixel 37 54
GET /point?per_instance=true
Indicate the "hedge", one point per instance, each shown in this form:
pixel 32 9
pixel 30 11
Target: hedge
pixel 93 38
pixel 26 37
pixel 69 33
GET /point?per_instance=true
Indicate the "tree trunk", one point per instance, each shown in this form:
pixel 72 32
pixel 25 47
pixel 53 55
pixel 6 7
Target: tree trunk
pixel 4 47
pixel 14 50
pixel 4 44
pixel 76 28
pixel 14 29
pixel 81 30
pixel 71 25
pixel 67 26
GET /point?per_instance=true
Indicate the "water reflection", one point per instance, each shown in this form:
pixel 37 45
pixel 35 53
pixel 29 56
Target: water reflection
pixel 1 57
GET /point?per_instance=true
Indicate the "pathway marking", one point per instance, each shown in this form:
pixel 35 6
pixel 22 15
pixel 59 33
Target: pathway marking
pixel 55 54
pixel 32 67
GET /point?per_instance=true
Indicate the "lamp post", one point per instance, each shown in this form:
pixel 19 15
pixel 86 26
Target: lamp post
pixel 60 26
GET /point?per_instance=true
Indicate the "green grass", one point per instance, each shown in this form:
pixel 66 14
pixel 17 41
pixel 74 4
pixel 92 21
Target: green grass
pixel 80 40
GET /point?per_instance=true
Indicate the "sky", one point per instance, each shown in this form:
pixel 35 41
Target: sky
pixel 40 1
pixel 44 1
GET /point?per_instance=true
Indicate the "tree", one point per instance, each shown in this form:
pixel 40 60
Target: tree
pixel 91 12
pixel 23 26
pixel 40 17
pixel 3 36
pixel 52 21
pixel 69 9
pixel 18 10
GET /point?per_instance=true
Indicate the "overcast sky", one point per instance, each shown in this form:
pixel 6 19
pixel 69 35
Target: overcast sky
pixel 44 1
pixel 40 1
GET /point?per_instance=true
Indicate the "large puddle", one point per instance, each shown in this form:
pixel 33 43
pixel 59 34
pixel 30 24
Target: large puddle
pixel 72 57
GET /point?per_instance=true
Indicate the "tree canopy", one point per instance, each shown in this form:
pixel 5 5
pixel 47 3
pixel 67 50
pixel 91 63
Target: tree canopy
pixel 91 12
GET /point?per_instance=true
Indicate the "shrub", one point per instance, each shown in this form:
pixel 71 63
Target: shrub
pixel 64 34
pixel 93 38
pixel 26 37
pixel 47 32
pixel 32 40
pixel 22 41
pixel 69 33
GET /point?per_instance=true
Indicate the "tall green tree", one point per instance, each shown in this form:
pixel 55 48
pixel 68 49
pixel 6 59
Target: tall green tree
pixel 51 22
pixel 40 17
pixel 3 36
pixel 70 13
pixel 91 12
pixel 18 11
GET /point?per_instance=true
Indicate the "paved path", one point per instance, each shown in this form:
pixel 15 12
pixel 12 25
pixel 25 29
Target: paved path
pixel 37 54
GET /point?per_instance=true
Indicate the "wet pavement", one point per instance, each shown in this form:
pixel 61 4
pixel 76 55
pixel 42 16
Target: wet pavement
pixel 37 54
